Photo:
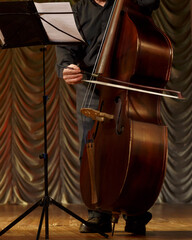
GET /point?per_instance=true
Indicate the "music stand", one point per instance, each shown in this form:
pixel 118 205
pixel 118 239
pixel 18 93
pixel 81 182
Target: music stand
pixel 20 25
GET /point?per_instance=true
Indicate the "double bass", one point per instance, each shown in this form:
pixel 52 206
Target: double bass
pixel 124 161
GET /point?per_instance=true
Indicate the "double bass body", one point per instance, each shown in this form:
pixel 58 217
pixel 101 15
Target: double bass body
pixel 124 161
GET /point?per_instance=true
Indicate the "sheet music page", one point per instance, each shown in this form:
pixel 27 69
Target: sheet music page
pixel 59 15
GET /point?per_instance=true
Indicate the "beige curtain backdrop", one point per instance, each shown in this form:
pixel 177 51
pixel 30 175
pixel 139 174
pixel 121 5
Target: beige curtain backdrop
pixel 22 125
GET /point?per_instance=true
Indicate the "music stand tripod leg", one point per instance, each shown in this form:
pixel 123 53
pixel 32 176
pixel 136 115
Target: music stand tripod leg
pixel 20 217
pixel 44 211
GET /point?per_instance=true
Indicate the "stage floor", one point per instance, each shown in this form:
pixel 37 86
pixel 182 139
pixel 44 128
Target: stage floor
pixel 168 222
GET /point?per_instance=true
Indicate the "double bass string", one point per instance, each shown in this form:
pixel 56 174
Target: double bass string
pixel 91 86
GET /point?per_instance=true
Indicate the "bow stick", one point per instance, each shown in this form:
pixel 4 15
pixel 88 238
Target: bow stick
pixel 130 86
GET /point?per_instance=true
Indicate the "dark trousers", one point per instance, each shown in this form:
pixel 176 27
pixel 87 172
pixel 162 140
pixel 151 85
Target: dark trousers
pixel 85 124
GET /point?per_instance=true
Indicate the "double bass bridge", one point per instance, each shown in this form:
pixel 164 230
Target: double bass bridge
pixel 96 115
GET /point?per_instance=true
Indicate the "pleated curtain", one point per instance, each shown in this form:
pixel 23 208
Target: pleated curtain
pixel 22 120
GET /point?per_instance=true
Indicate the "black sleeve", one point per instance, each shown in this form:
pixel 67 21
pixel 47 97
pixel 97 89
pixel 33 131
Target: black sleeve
pixel 69 53
pixel 65 55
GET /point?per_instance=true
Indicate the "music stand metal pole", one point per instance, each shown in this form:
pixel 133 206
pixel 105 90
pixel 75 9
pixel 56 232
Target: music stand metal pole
pixel 44 156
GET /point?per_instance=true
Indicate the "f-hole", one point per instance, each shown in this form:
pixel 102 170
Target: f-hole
pixel 118 110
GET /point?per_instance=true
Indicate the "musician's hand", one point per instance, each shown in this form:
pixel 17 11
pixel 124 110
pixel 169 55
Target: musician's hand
pixel 72 74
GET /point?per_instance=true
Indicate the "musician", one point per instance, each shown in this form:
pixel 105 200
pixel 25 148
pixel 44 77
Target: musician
pixel 91 18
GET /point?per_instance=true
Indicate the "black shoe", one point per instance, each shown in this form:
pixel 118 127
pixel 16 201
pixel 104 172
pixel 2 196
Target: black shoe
pixel 95 224
pixel 136 224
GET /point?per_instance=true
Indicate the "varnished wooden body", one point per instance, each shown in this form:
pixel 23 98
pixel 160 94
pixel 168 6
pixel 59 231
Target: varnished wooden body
pixel 124 165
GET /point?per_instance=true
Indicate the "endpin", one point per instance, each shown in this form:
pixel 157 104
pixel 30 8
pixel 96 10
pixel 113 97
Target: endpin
pixel 115 218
